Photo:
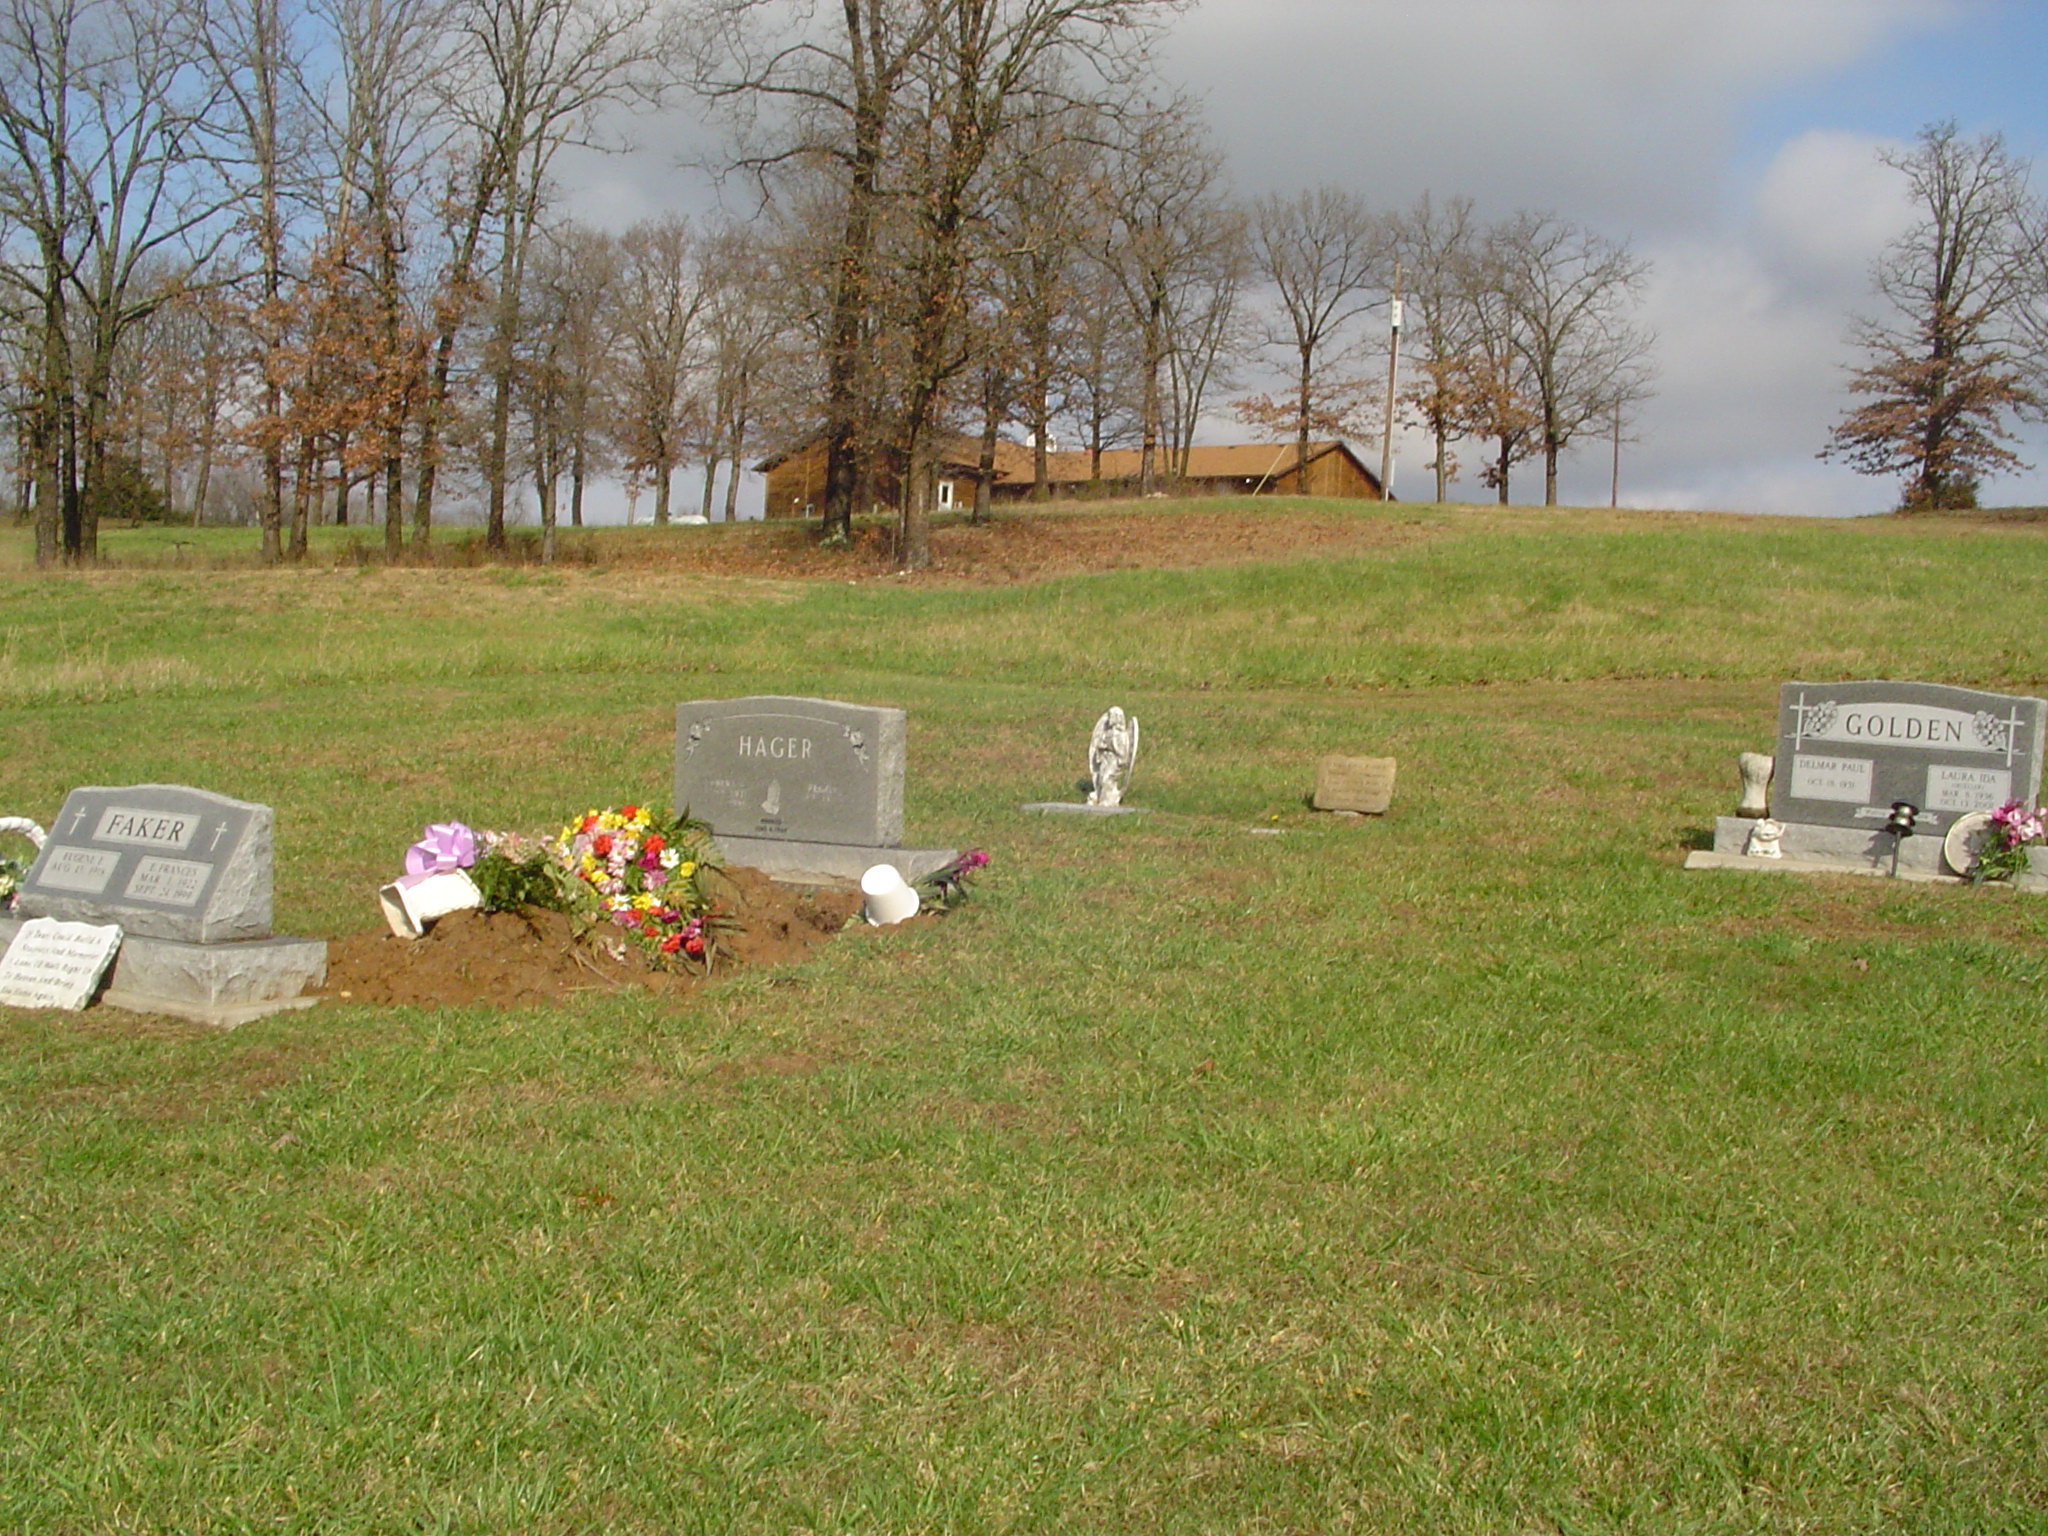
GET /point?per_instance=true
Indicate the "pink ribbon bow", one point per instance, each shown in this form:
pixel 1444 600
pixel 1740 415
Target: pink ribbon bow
pixel 447 845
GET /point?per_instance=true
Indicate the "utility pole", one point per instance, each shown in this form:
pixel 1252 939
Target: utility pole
pixel 1614 485
pixel 1393 368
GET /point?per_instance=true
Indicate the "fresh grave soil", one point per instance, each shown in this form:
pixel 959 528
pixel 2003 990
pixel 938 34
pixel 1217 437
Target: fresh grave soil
pixel 503 959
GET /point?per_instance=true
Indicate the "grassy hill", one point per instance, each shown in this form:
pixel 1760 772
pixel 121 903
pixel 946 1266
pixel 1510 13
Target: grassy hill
pixel 1230 1168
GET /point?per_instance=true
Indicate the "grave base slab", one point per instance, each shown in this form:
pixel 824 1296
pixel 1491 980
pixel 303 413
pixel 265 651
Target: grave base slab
pixel 221 985
pixel 800 863
pixel 1812 849
pixel 1071 808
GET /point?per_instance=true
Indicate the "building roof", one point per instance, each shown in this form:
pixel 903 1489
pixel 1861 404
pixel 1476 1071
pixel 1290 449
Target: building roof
pixel 1229 461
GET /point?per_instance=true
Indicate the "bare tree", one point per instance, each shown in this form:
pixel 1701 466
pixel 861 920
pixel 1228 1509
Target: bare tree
pixel 907 101
pixel 1325 257
pixel 660 294
pixel 1205 332
pixel 1436 244
pixel 1163 210
pixel 1570 293
pixel 252 48
pixel 1946 367
pixel 103 176
pixel 580 277
pixel 748 326
pixel 1040 225
pixel 543 70
pixel 384 129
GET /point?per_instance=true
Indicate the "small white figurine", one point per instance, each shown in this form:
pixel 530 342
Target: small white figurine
pixel 1764 838
pixel 1112 749
pixel 1755 768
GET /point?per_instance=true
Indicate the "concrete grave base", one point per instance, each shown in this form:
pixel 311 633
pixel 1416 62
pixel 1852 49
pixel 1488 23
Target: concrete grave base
pixel 1069 808
pixel 798 863
pixel 1811 849
pixel 218 984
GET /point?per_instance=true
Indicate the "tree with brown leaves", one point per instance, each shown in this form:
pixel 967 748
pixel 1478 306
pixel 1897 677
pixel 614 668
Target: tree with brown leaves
pixel 1944 372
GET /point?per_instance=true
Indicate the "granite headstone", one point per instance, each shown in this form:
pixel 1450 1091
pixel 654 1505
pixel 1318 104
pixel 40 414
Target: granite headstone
pixel 185 874
pixel 809 790
pixel 161 860
pixel 803 770
pixel 1847 751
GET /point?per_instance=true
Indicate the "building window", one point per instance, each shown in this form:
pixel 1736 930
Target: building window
pixel 945 495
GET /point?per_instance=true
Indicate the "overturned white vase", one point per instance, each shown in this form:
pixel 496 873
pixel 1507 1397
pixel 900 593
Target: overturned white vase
pixel 888 897
pixel 1756 769
pixel 412 903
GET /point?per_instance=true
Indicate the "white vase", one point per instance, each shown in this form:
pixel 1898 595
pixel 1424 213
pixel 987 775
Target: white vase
pixel 889 898
pixel 412 903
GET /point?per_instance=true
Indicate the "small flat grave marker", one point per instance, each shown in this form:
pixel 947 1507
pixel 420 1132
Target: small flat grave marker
pixel 1364 785
pixel 161 860
pixel 1847 751
pixel 52 964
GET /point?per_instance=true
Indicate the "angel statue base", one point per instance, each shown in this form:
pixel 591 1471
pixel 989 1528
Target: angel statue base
pixel 1112 749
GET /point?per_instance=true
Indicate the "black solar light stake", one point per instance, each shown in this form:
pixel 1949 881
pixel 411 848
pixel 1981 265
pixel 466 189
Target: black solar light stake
pixel 1900 826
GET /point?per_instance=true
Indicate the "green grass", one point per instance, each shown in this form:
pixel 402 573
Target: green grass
pixel 1476 1169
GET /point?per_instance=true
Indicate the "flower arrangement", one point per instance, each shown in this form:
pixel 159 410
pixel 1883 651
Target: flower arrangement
pixel 947 887
pixel 14 870
pixel 623 870
pixel 2002 851
pixel 639 873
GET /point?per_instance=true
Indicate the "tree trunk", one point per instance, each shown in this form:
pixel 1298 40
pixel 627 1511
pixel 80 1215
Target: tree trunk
pixel 990 420
pixel 544 487
pixel 341 486
pixel 302 500
pixel 394 507
pixel 914 548
pixel 1301 407
pixel 737 453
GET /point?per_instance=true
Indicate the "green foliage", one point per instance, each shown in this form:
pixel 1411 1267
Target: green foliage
pixel 510 875
pixel 123 492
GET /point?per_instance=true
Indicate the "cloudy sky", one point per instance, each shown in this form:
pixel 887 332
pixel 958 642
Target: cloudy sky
pixel 1732 142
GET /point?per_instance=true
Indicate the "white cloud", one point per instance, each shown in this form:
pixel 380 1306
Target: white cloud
pixel 1827 205
pixel 1620 112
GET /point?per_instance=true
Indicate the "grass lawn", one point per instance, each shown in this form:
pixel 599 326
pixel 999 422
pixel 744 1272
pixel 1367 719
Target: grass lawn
pixel 1227 1169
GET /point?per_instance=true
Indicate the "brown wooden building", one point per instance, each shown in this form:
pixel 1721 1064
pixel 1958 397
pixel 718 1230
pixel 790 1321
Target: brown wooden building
pixel 1235 469
pixel 796 480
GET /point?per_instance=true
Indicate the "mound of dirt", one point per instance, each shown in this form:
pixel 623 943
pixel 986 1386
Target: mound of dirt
pixel 507 958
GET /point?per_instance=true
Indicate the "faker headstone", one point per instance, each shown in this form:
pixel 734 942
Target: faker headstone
pixel 159 859
pixel 183 878
pixel 1848 751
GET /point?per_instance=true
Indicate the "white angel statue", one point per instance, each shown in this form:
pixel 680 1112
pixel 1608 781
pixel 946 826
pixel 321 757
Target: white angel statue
pixel 1112 749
